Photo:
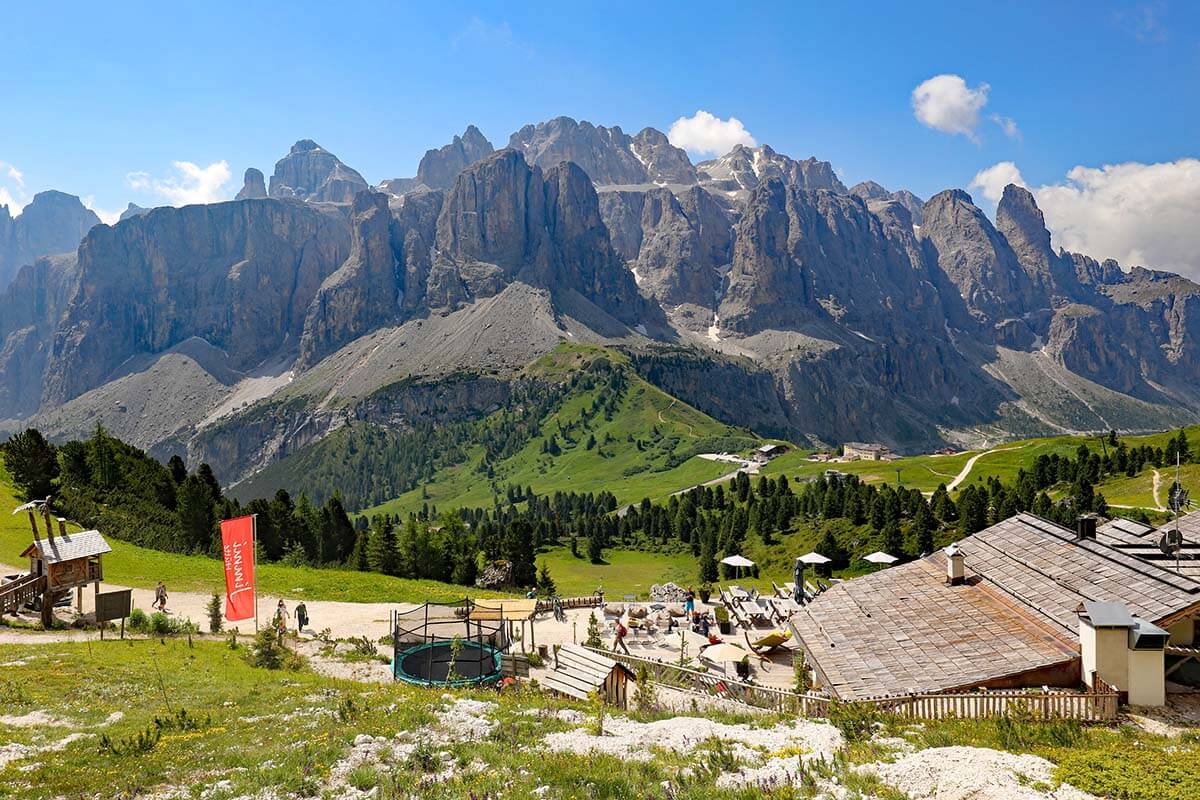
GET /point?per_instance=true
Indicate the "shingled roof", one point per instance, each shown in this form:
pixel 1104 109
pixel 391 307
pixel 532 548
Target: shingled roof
pixel 1120 530
pixel 67 547
pixel 906 629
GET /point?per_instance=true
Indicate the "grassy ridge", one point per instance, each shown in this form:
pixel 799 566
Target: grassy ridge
pixel 671 433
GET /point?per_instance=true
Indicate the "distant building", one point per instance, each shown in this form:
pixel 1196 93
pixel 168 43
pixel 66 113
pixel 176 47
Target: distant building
pixel 858 451
pixel 769 451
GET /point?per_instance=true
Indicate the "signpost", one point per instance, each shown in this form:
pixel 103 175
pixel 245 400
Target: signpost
pixel 113 605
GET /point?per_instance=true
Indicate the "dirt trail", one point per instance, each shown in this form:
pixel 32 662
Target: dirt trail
pixel 343 619
pixel 966 470
pixel 1155 487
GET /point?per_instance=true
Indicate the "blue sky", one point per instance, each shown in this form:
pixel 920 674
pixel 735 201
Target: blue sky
pixel 96 92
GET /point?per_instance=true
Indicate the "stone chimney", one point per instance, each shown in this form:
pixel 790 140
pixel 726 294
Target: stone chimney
pixel 1085 526
pixel 956 570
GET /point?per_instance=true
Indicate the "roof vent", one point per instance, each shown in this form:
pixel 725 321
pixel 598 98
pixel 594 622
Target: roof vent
pixel 1086 526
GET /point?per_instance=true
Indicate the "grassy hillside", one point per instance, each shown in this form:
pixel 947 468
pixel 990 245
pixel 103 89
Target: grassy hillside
pixel 140 718
pixel 925 472
pixel 646 447
pixel 142 567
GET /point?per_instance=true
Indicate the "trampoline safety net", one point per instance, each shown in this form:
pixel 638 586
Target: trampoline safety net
pixel 446 645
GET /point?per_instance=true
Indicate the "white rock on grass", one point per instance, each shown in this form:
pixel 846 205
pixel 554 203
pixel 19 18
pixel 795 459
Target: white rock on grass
pixel 974 773
pixel 626 738
pixel 31 720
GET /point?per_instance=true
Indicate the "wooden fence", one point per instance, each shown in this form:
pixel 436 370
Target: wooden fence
pixel 1098 705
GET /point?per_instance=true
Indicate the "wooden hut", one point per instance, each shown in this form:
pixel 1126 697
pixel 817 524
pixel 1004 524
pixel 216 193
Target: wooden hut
pixel 64 562
pixel 579 672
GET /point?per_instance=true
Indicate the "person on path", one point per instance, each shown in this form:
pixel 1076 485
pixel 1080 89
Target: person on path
pixel 281 618
pixel 301 616
pixel 160 596
pixel 689 600
pixel 619 641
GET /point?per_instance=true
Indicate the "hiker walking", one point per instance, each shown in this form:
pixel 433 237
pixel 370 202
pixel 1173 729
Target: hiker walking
pixel 160 596
pixel 619 641
pixel 281 618
pixel 301 616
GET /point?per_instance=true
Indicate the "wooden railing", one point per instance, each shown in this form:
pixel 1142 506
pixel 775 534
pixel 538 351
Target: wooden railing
pixel 20 592
pixel 1098 705
pixel 717 685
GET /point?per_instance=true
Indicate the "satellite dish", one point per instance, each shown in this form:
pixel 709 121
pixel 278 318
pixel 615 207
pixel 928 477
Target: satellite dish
pixel 1171 542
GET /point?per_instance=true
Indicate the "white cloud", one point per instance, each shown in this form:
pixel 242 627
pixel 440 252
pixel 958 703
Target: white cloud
pixel 1139 214
pixel 991 181
pixel 190 184
pixel 6 199
pixel 1008 125
pixel 13 173
pixel 706 134
pixel 945 103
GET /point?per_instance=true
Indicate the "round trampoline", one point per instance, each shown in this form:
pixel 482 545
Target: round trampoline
pixel 429 664
pixel 448 645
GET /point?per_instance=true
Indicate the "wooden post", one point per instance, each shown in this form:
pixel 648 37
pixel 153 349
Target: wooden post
pixel 79 598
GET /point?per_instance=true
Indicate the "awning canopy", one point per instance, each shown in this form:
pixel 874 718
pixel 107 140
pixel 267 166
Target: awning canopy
pixel 880 557
pixel 813 558
pixel 737 561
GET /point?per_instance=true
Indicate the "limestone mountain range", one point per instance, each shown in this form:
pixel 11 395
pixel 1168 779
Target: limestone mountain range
pixel 754 286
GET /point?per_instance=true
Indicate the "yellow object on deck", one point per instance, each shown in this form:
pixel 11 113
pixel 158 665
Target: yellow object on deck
pixel 772 639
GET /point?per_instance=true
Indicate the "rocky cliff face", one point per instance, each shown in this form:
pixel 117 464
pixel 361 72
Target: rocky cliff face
pixel 53 222
pixel 977 259
pixel 676 246
pixel 608 155
pixel 253 186
pixel 30 310
pixel 363 293
pixel 504 220
pixel 871 191
pixel 239 275
pixel 439 168
pixel 821 256
pixel 310 172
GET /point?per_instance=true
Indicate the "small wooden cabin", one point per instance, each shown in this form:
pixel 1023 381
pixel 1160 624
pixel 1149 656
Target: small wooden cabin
pixel 65 562
pixel 579 672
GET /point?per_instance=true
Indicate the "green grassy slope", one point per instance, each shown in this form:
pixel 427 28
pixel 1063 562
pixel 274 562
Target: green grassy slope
pixel 142 567
pixel 647 449
pixel 925 472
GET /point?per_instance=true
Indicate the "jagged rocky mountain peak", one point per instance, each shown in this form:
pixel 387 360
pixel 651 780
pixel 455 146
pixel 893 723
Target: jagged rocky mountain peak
pixel 53 222
pixel 253 185
pixel 438 168
pixel 310 172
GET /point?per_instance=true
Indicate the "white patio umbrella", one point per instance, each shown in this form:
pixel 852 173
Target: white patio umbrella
pixel 808 558
pixel 880 557
pixel 737 562
pixel 723 653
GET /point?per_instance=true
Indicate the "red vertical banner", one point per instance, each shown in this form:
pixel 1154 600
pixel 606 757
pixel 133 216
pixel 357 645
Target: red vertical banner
pixel 237 545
